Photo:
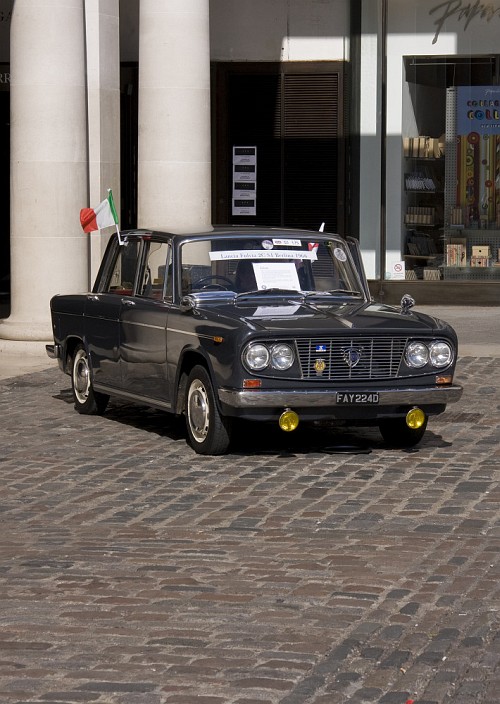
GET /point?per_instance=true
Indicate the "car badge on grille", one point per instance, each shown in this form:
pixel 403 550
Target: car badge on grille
pixel 352 355
pixel 319 366
pixel 320 348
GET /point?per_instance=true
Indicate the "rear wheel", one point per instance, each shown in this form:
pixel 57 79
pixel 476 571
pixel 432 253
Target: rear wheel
pixel 396 433
pixel 208 430
pixel 87 401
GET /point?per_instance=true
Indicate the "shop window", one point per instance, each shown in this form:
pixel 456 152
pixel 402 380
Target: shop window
pixel 451 168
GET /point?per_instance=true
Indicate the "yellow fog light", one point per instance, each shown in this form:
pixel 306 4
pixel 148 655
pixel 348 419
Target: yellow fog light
pixel 415 418
pixel 288 421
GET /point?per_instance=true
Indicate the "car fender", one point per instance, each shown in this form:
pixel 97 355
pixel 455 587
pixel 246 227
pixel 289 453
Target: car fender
pixel 190 357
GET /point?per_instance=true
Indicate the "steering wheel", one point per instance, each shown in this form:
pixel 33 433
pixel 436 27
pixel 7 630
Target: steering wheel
pixel 210 282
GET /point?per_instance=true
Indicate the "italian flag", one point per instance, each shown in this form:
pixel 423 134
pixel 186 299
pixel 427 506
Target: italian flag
pixel 102 216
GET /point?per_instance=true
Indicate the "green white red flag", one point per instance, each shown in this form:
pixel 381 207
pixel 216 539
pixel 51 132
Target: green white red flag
pixel 104 215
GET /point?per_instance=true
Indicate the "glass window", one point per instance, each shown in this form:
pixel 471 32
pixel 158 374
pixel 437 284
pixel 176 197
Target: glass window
pixel 123 274
pixel 155 271
pixel 258 264
pixel 451 168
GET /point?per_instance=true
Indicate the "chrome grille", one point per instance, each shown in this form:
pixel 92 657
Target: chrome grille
pixel 355 358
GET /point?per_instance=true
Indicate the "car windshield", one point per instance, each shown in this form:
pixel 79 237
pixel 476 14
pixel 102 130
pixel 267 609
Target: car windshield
pixel 268 265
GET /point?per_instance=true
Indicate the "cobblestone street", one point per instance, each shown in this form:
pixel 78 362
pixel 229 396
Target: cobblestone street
pixel 317 568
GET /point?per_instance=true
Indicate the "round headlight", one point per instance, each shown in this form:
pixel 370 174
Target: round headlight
pixel 440 353
pixel 282 356
pixel 256 357
pixel 416 355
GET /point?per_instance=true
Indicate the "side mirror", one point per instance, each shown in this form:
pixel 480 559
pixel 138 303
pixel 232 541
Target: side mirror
pixel 187 304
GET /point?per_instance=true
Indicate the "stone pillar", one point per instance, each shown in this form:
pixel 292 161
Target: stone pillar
pixel 103 80
pixel 174 115
pixel 49 253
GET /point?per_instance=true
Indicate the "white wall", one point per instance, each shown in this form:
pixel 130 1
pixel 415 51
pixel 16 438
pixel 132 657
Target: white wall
pixel 261 30
pixel 103 105
pixel 369 144
pixel 279 30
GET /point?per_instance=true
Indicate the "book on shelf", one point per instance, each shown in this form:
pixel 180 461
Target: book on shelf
pixel 410 275
pixel 479 261
pixel 432 274
pixel 423 147
pixel 481 250
pixel 420 244
pixel 413 249
pixel 419 215
pixel 455 254
pixel 457 217
pixel 418 181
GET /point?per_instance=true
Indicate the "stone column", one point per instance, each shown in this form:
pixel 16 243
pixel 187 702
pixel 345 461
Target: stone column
pixel 174 115
pixel 103 80
pixel 49 253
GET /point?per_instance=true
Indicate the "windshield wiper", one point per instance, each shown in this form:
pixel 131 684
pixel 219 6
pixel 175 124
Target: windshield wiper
pixel 271 292
pixel 332 292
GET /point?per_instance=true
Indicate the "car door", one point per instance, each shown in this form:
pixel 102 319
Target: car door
pixel 103 311
pixel 143 323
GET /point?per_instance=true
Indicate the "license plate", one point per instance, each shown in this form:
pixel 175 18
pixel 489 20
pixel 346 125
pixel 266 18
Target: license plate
pixel 357 399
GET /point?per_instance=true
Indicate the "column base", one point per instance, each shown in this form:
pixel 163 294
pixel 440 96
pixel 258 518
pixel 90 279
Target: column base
pixel 18 358
pixel 25 331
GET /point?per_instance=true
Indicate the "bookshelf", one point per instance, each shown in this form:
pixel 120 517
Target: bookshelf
pixel 423 211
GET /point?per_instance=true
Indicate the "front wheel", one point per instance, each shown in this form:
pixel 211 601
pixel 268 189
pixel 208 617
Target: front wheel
pixel 208 430
pixel 396 433
pixel 87 401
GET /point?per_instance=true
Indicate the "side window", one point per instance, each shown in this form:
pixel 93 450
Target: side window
pixel 155 271
pixel 123 274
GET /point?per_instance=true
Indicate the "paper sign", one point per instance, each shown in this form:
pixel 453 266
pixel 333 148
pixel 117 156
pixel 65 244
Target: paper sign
pixel 276 275
pixel 397 271
pixel 263 254
pixel 275 311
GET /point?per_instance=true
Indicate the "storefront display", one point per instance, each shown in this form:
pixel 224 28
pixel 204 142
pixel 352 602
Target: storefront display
pixel 423 218
pixel 439 138
pixel 474 223
pixel 451 206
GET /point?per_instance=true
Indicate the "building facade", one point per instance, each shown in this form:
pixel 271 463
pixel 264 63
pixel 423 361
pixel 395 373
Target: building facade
pixel 380 118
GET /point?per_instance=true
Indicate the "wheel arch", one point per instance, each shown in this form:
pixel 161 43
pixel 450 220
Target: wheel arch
pixel 71 343
pixel 190 358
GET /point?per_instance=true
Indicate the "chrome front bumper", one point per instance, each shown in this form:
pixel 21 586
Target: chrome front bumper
pixel 415 396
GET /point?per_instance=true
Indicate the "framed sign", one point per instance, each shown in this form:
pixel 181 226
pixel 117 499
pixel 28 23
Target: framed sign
pixel 244 181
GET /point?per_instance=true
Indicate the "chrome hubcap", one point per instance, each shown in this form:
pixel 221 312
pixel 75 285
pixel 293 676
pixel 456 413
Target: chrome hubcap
pixel 81 377
pixel 198 411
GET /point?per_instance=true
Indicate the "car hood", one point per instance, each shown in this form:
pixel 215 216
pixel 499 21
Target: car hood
pixel 307 317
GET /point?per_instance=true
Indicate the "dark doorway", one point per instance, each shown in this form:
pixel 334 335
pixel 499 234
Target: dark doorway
pixel 129 111
pixel 293 115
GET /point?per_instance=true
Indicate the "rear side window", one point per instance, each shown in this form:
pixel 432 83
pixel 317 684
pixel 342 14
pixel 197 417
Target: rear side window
pixel 122 278
pixel 156 271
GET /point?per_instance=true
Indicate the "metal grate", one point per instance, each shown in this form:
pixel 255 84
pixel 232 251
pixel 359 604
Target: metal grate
pixel 478 273
pixel 450 180
pixel 379 357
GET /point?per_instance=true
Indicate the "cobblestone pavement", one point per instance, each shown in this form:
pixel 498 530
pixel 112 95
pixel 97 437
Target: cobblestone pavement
pixel 318 568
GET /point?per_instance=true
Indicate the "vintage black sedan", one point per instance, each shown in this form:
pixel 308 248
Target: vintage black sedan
pixel 255 324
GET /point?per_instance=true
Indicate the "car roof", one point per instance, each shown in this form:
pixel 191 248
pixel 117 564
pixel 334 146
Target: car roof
pixel 233 230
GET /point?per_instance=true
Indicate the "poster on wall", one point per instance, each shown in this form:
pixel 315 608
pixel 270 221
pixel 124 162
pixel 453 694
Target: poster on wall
pixel 478 156
pixel 244 181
